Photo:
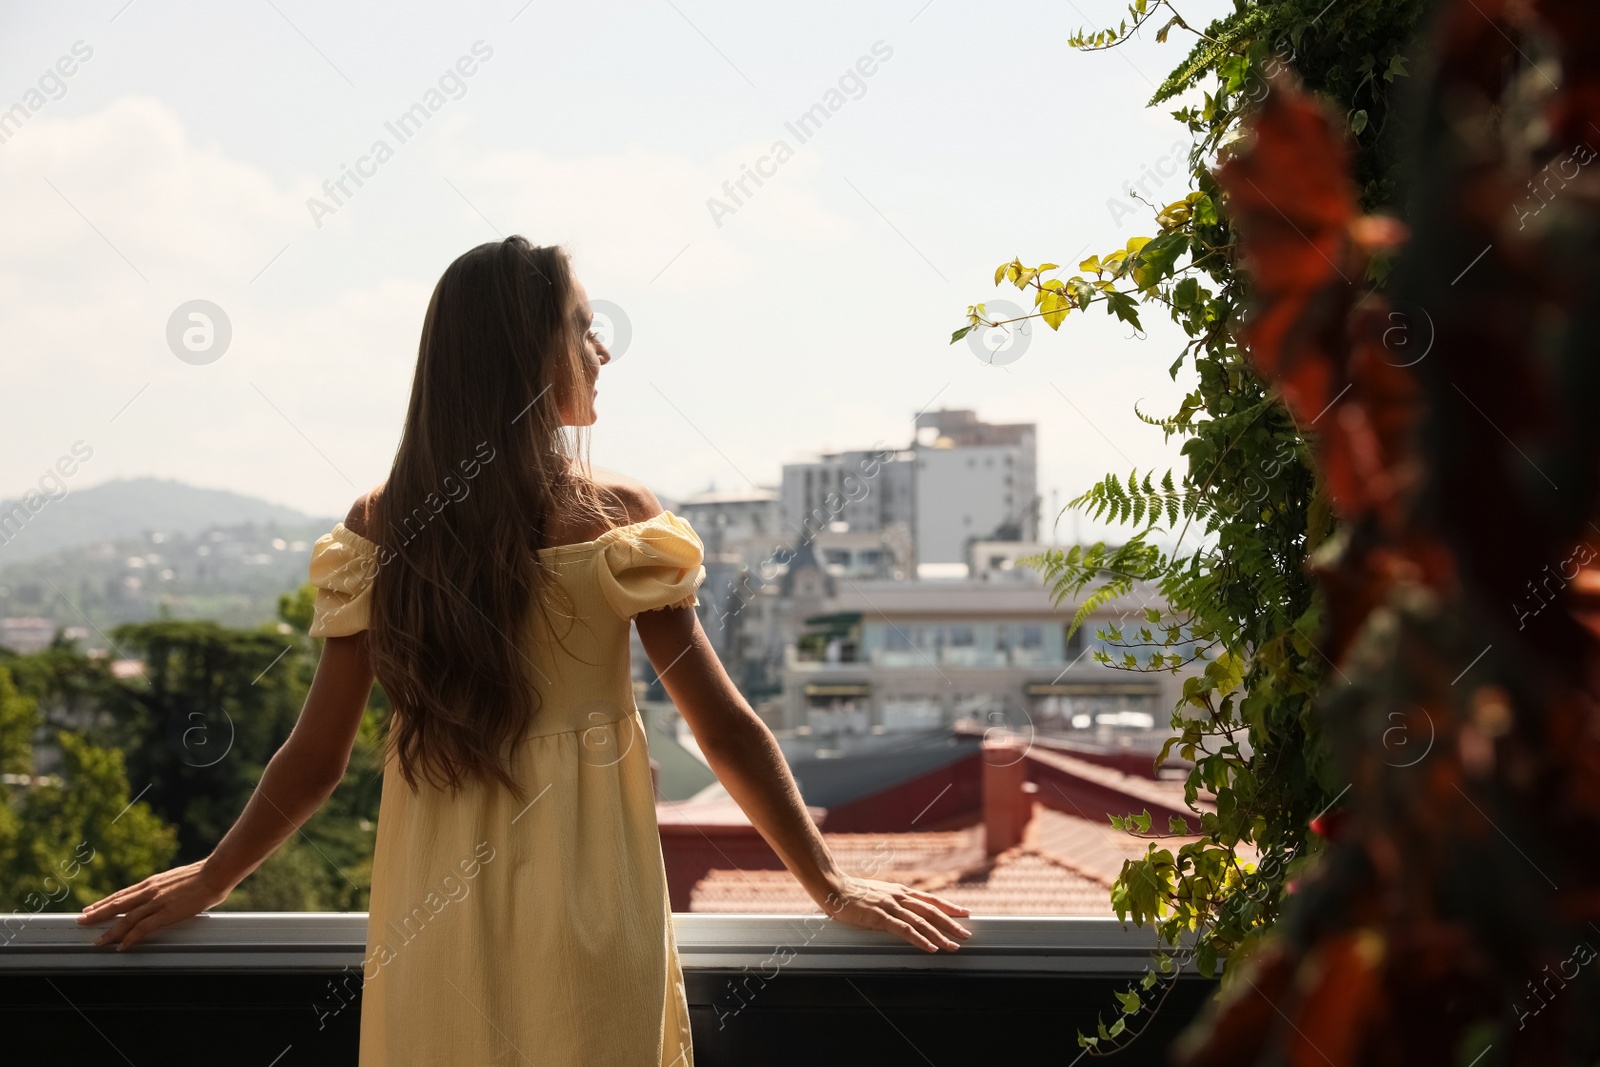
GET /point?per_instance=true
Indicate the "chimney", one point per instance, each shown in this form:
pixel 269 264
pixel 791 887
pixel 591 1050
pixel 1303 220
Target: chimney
pixel 1007 794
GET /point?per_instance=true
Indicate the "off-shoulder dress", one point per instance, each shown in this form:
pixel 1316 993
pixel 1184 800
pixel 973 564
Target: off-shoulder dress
pixel 536 930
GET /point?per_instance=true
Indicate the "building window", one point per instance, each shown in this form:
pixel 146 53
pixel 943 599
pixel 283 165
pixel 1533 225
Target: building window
pixel 911 713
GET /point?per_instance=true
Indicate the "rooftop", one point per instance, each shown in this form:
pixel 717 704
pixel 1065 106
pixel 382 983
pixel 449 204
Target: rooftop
pixel 1065 865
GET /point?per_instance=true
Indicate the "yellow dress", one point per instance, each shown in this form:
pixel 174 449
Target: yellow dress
pixel 539 931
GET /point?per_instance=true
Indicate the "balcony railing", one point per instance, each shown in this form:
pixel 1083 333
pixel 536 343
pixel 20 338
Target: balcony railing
pixel 940 655
pixel 763 989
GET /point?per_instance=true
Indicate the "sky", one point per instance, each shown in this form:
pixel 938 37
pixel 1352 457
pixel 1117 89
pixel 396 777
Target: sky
pixel 192 154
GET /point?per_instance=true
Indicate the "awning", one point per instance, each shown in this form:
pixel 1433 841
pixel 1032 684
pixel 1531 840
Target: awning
pixel 838 689
pixel 838 623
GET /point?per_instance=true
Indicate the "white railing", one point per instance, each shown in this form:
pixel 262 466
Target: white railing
pixel 330 941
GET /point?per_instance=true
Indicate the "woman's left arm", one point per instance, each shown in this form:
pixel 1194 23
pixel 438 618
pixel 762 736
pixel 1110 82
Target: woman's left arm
pixel 299 778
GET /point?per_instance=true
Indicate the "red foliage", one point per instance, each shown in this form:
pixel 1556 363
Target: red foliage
pixel 1455 880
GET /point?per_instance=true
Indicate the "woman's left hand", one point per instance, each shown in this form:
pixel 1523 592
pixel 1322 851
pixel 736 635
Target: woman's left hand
pixel 160 900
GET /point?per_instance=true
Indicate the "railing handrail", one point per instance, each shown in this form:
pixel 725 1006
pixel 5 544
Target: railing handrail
pixel 330 941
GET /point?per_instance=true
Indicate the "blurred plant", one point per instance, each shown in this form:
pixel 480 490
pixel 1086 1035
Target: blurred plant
pixel 1440 924
pixel 1250 508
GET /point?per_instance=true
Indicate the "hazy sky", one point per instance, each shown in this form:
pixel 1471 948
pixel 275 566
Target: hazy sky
pixel 175 163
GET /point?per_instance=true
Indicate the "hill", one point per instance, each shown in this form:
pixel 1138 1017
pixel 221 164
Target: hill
pixel 133 549
pixel 131 508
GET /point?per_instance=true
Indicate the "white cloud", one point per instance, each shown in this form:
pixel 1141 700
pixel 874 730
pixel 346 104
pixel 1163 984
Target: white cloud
pixel 630 212
pixel 165 219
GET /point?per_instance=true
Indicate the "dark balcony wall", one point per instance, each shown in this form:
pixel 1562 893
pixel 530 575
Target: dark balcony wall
pixel 176 1018
pixel 283 990
pixel 877 1018
pixel 843 1020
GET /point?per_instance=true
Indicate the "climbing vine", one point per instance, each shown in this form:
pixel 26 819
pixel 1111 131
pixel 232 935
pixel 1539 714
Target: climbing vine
pixel 1226 540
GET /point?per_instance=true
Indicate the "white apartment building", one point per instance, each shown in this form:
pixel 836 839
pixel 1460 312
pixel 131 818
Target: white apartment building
pixel 960 480
pixel 883 657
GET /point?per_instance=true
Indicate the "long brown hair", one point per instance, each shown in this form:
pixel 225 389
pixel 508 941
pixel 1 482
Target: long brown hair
pixel 483 467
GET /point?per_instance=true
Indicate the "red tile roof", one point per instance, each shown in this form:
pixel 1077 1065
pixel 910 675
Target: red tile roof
pixel 1064 862
pixel 1165 792
pixel 1093 848
pixel 1064 866
pixel 1024 882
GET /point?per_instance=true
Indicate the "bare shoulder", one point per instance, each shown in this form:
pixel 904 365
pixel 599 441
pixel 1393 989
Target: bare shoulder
pixel 630 496
pixel 360 519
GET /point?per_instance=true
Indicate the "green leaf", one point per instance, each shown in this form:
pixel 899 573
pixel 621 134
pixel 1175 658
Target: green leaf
pixel 1156 259
pixel 1130 1002
pixel 959 334
pixel 1186 293
pixel 1123 307
pixel 1082 292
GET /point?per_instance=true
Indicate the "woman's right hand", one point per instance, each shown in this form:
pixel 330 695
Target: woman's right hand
pixel 160 900
pixel 921 918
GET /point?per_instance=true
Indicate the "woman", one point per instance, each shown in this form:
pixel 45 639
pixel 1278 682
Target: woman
pixel 519 911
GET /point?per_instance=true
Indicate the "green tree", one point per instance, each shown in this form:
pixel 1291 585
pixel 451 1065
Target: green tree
pixel 195 730
pixel 77 836
pixel 212 707
pixel 1247 514
pixel 297 609
pixel 19 720
pixel 61 678
pixel 294 878
pixel 199 725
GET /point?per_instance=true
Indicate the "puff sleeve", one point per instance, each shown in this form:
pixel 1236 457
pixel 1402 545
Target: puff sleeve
pixel 343 564
pixel 652 564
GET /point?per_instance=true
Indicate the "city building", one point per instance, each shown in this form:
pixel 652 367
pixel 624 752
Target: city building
pixel 883 657
pixel 881 592
pixel 861 490
pixel 960 479
pixel 26 634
